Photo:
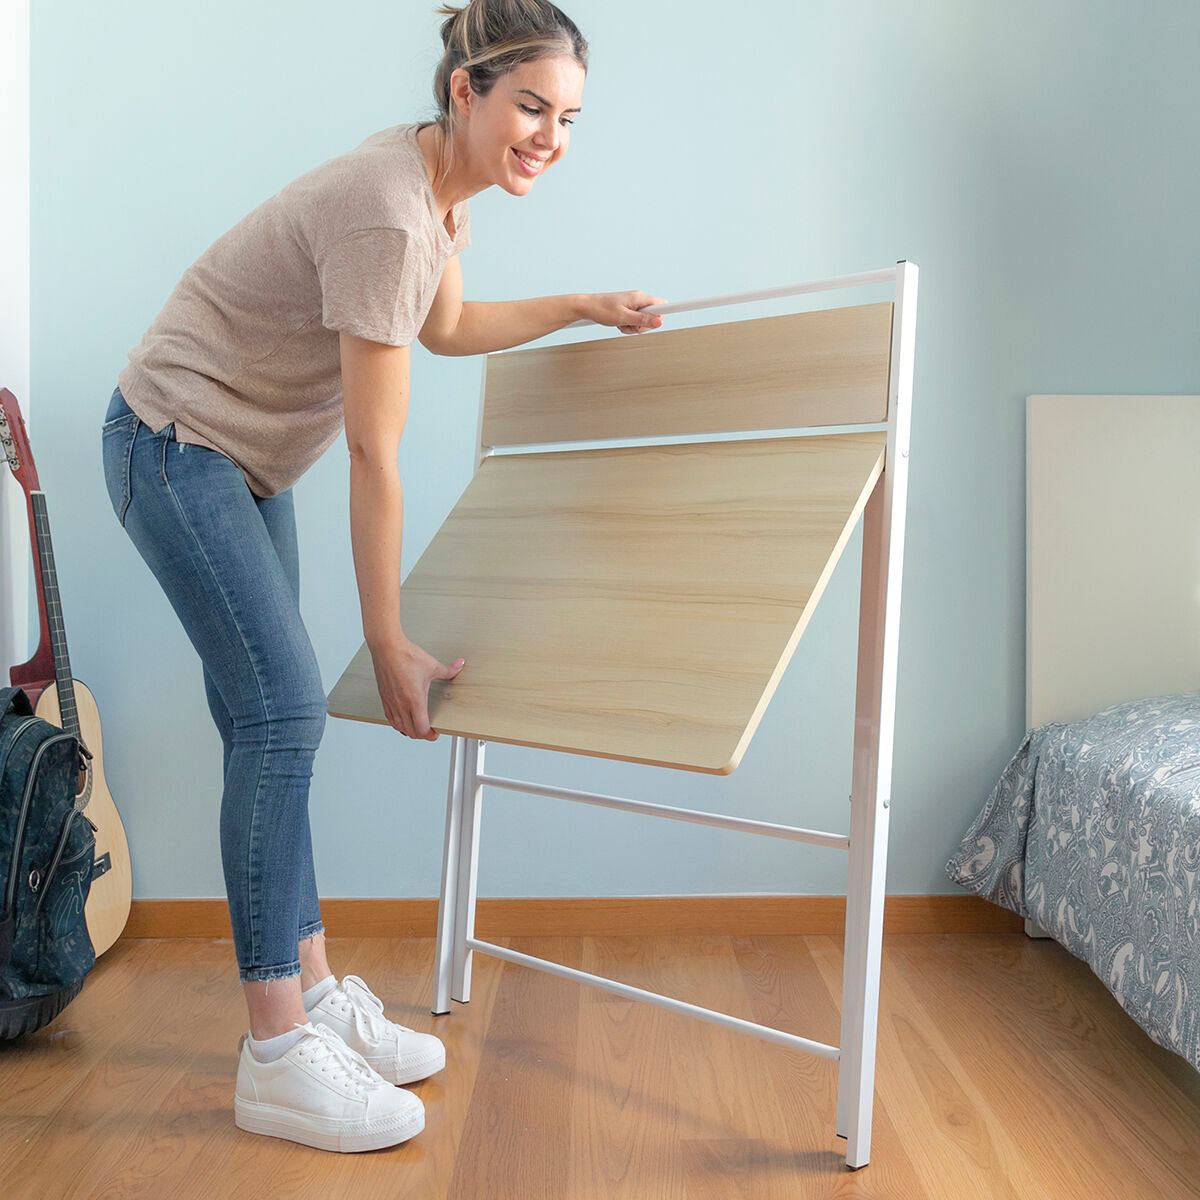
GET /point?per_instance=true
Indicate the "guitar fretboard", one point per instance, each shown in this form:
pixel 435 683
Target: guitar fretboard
pixel 58 636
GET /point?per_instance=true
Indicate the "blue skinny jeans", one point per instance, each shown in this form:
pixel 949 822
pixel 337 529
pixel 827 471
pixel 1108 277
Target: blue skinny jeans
pixel 229 564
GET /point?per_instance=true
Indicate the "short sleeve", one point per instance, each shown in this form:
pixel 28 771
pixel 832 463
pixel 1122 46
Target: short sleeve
pixel 371 285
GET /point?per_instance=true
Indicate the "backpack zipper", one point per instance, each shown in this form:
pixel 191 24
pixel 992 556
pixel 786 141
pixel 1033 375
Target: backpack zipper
pixel 25 724
pixel 48 877
pixel 18 841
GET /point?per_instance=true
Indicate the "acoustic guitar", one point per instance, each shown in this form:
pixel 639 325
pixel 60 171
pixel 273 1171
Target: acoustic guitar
pixel 67 702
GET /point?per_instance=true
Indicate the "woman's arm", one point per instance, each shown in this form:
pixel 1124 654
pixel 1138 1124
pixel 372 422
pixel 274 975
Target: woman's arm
pixel 483 328
pixel 375 394
pixel 457 327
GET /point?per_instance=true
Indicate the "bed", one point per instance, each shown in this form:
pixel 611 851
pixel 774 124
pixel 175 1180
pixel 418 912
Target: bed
pixel 1092 832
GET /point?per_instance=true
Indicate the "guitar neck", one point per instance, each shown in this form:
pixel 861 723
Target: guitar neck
pixel 44 552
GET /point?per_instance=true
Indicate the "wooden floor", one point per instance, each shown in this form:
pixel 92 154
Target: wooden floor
pixel 1005 1069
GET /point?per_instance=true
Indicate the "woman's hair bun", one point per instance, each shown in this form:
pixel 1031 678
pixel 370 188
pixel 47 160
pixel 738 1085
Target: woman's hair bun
pixel 447 10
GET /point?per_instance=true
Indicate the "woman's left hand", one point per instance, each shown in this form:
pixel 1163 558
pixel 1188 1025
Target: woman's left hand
pixel 622 310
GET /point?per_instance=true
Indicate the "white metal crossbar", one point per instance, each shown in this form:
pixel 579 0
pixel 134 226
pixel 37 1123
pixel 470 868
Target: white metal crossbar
pixel 765 1032
pixel 875 702
pixel 887 275
pixel 833 841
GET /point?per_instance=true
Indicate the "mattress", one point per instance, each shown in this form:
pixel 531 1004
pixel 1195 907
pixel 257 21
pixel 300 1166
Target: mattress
pixel 1093 832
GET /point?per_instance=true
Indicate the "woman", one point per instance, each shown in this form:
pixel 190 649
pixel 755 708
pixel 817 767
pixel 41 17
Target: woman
pixel 294 323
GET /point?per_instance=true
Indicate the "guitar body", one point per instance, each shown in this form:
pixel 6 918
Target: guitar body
pixel 108 902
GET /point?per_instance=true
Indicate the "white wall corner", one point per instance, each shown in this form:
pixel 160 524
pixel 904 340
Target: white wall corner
pixel 14 320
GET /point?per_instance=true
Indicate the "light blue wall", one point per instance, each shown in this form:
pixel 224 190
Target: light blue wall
pixel 1037 160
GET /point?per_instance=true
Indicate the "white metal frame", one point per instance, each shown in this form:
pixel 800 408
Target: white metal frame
pixel 874 723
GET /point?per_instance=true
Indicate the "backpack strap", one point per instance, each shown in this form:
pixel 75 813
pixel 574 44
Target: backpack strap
pixel 14 699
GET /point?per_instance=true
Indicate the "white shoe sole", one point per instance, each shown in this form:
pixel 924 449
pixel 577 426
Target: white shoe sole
pixel 410 1072
pixel 326 1133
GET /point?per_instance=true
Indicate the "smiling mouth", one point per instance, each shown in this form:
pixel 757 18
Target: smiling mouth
pixel 531 168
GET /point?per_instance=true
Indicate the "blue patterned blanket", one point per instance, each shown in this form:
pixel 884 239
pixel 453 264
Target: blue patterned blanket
pixel 1094 832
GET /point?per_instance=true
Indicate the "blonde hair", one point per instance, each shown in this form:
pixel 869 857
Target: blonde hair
pixel 488 39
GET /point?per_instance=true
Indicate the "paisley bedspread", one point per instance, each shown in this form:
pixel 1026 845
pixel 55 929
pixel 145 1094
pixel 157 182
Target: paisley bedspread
pixel 1093 831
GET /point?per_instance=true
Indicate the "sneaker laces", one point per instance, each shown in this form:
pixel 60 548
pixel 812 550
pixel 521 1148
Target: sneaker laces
pixel 367 1008
pixel 346 1060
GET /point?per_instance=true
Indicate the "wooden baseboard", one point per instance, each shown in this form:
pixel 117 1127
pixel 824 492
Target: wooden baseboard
pixel 585 916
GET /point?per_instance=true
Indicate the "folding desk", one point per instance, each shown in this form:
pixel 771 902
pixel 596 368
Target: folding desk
pixel 641 602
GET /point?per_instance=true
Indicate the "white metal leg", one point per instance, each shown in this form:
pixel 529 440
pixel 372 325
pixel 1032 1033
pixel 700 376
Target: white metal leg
pixel 868 856
pixel 850 1038
pixel 468 869
pixel 864 757
pixel 874 736
pixel 443 950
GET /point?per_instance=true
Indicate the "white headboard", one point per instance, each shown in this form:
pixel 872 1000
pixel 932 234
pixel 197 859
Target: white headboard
pixel 1112 579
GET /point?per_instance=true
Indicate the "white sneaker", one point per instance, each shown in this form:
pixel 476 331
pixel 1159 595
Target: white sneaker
pixel 355 1014
pixel 323 1094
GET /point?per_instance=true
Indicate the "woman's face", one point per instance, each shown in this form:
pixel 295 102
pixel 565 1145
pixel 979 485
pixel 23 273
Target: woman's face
pixel 529 111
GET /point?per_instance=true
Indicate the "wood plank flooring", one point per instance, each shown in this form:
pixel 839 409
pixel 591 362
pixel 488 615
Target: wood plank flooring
pixel 1005 1069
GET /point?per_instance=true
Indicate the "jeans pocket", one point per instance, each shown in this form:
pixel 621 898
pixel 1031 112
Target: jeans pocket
pixel 167 434
pixel 117 437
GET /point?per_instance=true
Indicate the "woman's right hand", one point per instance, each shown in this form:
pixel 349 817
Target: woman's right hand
pixel 403 673
pixel 622 309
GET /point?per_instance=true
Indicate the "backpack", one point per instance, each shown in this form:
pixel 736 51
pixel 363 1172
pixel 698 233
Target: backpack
pixel 47 851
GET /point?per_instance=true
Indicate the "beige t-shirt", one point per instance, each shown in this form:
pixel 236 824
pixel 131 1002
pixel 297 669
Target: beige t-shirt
pixel 244 355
